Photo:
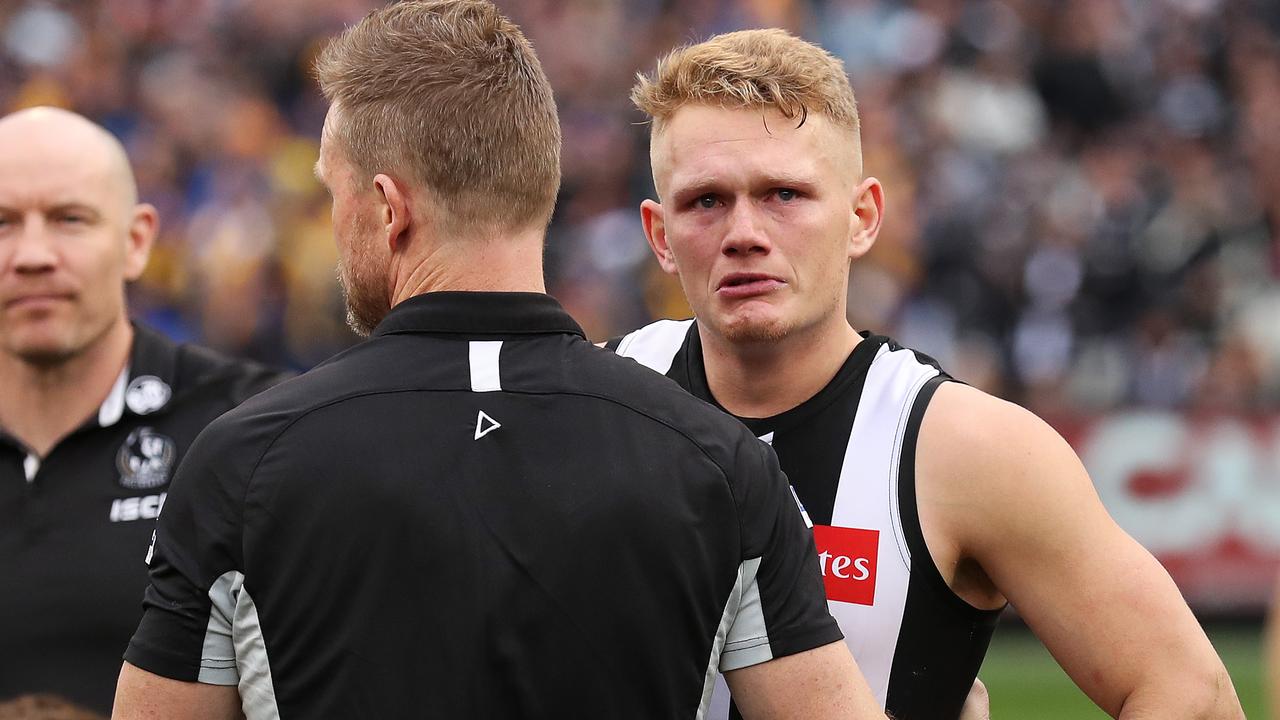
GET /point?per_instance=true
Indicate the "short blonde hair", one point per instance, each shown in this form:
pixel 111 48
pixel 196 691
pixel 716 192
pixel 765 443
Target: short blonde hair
pixel 750 69
pixel 451 93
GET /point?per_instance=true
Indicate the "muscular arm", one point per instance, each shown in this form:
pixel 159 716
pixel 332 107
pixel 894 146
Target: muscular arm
pixel 817 684
pixel 141 695
pixel 1000 489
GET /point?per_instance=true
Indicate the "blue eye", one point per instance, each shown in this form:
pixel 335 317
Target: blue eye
pixel 706 202
pixel 787 194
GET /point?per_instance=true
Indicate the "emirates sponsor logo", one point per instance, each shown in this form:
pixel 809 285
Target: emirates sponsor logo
pixel 848 560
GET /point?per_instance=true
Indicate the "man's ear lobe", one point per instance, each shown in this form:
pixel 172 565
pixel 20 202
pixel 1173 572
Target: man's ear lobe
pixel 868 213
pixel 143 228
pixel 394 210
pixel 655 231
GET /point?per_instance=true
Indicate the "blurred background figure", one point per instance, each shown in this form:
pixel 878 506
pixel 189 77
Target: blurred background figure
pixel 1085 200
pixel 96 412
pixel 44 707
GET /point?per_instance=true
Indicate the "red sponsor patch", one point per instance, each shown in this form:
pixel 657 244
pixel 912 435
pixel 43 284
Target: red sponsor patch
pixel 848 560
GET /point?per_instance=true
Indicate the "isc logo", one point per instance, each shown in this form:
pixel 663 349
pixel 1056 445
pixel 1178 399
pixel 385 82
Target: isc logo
pixel 848 559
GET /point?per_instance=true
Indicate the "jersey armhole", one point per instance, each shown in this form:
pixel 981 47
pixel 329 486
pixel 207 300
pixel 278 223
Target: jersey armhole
pixel 909 514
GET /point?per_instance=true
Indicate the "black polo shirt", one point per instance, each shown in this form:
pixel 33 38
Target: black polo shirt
pixel 477 513
pixel 74 526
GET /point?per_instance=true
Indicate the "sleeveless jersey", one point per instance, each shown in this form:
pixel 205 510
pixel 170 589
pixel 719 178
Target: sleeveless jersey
pixel 849 452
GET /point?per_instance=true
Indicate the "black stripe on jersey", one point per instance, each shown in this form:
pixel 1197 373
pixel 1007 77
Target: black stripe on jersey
pixel 954 645
pixel 814 458
pixel 688 370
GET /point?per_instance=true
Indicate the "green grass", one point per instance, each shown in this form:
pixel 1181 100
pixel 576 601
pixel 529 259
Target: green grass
pixel 1025 682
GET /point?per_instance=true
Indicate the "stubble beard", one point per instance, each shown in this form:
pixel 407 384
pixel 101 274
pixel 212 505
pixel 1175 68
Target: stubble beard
pixel 751 331
pixel 60 345
pixel 364 290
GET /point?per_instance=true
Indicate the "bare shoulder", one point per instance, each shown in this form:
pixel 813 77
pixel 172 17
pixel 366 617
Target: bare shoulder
pixel 974 431
pixel 989 470
pixel 999 490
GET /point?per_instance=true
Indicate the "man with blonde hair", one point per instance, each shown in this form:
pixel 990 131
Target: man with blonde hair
pixel 933 503
pixel 402 532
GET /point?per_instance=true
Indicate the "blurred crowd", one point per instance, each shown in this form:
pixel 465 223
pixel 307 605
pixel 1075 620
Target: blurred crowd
pixel 1083 197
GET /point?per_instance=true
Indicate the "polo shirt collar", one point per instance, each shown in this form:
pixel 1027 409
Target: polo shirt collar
pixel 146 384
pixel 479 313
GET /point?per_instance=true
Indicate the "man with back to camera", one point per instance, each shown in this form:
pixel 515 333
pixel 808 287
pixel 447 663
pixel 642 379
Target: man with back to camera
pixel 933 503
pixel 475 513
pixel 95 412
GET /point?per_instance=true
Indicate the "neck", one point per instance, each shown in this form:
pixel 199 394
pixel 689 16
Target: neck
pixel 511 263
pixel 42 404
pixel 758 380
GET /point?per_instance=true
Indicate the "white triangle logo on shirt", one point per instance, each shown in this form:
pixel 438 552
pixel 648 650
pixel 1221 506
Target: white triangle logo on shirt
pixel 485 425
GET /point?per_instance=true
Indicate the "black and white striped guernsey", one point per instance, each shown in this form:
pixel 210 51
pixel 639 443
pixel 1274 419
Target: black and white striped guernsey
pixel 849 452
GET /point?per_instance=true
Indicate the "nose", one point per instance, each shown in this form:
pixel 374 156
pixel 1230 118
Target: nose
pixel 745 235
pixel 33 251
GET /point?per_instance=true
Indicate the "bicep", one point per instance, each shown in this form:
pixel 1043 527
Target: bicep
pixel 820 683
pixel 141 695
pixel 1027 512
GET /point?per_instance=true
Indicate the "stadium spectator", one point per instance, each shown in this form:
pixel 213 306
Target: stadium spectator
pixel 475 512
pixel 95 412
pixel 1119 154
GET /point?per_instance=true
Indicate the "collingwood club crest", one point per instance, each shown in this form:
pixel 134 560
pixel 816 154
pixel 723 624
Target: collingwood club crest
pixel 147 394
pixel 146 459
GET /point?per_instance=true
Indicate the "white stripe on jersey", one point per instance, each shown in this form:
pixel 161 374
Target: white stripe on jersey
pixel 485 376
pixel 655 345
pixel 867 497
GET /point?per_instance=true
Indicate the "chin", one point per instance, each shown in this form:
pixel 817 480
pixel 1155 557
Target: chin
pixel 44 352
pixel 755 330
pixel 365 306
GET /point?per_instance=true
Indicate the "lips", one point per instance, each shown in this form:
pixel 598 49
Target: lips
pixel 36 300
pixel 742 285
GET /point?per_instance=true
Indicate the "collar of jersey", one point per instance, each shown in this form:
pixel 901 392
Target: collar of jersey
pixel 855 366
pixel 479 313
pixel 152 354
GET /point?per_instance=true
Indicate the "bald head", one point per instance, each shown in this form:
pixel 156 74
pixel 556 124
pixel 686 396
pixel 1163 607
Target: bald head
pixel 55 136
pixel 73 234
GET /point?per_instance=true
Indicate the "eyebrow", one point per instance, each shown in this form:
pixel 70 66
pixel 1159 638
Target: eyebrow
pixel 710 183
pixel 62 206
